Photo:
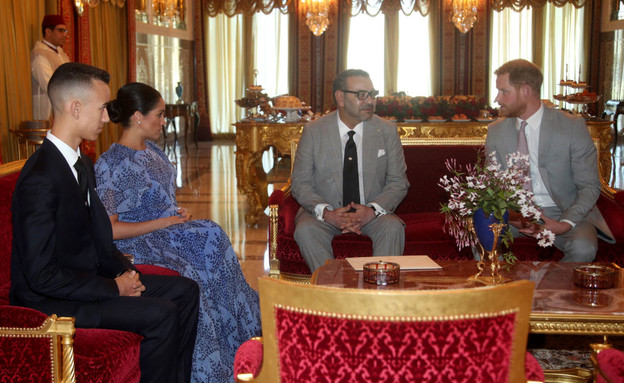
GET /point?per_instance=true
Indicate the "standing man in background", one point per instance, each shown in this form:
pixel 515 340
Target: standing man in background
pixel 45 57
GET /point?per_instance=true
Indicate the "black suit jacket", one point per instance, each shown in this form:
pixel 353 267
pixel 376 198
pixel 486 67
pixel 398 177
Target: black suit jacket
pixel 63 251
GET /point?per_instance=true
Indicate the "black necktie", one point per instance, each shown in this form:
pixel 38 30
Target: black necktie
pixel 350 182
pixel 82 177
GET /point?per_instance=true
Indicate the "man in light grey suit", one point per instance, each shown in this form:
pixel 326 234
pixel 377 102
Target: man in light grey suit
pixel 563 162
pixel 317 178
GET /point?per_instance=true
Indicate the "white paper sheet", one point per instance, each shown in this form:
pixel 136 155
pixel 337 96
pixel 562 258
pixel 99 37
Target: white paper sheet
pixel 406 262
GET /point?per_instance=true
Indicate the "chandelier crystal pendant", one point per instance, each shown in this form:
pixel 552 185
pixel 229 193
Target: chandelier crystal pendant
pixel 317 15
pixel 80 4
pixel 464 14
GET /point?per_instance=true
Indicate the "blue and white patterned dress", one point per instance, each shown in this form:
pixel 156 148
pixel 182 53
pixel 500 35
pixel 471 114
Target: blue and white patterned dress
pixel 140 186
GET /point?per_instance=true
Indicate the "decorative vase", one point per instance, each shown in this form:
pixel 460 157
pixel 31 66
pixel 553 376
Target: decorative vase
pixel 178 91
pixel 489 232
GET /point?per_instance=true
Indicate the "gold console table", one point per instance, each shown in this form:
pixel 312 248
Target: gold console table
pixel 253 138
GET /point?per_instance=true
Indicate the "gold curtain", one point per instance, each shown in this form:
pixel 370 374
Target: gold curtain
pixel 223 44
pixel 391 56
pixel 20 26
pixel 519 5
pixel 109 51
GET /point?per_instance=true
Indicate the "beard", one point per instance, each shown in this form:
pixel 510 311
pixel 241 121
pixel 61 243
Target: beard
pixel 515 110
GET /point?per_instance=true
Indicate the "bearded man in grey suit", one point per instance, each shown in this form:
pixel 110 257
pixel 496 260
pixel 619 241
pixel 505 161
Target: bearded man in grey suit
pixel 563 162
pixel 332 204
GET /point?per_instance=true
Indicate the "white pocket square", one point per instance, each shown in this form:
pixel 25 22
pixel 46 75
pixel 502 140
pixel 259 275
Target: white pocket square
pixel 380 153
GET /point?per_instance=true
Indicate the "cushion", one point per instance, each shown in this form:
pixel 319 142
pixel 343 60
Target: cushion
pixel 611 363
pixel 106 355
pixel 248 358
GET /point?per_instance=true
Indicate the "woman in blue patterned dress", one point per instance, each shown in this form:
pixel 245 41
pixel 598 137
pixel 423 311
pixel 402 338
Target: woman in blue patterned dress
pixel 136 183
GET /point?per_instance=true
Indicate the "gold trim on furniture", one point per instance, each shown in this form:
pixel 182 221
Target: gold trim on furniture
pixel 61 332
pixel 11 167
pixel 401 305
pixel 577 324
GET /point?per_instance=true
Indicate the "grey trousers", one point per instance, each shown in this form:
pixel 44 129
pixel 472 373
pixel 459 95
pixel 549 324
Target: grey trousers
pixel 314 237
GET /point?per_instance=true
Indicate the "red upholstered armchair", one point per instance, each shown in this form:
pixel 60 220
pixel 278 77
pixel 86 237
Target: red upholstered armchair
pixel 35 347
pixel 323 334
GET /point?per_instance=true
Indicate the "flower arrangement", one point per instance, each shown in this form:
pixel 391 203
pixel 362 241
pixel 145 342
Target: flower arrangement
pixel 486 186
pixel 402 107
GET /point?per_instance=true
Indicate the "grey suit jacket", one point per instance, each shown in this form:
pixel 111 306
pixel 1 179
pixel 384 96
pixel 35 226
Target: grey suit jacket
pixel 317 171
pixel 567 161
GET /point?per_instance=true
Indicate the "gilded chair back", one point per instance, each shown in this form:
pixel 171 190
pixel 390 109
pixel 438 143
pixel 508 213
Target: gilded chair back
pixel 315 333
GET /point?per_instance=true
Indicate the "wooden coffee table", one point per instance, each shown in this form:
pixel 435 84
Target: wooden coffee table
pixel 559 307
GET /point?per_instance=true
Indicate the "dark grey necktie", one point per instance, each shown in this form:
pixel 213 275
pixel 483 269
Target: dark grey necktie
pixel 350 181
pixel 82 178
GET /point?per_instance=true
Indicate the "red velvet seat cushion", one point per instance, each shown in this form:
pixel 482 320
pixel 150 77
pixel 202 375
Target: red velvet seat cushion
pixel 106 356
pixel 318 348
pixel 611 363
pixel 156 270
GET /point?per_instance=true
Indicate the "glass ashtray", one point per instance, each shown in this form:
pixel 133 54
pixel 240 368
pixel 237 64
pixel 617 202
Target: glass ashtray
pixel 381 273
pixel 594 277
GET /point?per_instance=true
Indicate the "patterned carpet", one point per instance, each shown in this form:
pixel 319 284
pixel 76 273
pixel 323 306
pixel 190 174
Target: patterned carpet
pixel 557 352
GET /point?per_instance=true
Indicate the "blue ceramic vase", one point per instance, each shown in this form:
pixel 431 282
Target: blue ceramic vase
pixel 485 235
pixel 178 90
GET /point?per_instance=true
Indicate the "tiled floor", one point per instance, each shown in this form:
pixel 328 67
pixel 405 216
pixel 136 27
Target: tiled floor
pixel 207 188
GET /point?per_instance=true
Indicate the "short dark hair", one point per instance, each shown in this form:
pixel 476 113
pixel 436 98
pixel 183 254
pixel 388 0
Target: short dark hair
pixel 74 75
pixel 522 72
pixel 132 97
pixel 340 82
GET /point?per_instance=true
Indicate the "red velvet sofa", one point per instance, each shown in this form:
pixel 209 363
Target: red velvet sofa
pixel 420 210
pixel 95 355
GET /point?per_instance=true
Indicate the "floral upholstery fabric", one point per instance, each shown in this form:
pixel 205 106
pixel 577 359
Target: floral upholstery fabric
pixel 318 348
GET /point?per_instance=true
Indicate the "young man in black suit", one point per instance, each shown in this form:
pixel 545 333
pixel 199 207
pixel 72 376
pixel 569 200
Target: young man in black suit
pixel 64 260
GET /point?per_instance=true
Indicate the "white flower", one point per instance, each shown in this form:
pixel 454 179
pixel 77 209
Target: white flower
pixel 545 238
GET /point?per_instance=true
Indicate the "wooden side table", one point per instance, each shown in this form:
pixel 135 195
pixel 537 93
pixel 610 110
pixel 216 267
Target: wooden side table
pixel 171 112
pixel 29 136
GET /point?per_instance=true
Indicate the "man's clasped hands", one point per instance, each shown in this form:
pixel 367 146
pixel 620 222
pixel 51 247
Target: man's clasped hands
pixel 350 218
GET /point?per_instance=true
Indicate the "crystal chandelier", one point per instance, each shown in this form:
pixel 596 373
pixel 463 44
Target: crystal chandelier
pixel 166 12
pixel 80 4
pixel 464 14
pixel 317 15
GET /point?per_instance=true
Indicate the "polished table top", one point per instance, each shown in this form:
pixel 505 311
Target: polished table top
pixel 559 306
